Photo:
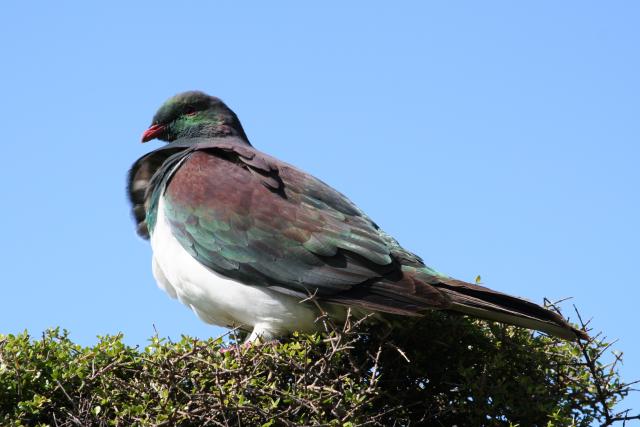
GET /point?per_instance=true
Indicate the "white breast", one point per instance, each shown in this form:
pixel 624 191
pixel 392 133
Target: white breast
pixel 219 300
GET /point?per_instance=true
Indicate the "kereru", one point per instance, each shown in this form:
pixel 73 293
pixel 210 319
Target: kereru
pixel 241 237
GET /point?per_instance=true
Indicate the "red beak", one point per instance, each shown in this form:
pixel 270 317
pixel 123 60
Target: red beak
pixel 152 133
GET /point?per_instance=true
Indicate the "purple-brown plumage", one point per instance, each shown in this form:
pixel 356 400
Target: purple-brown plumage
pixel 285 218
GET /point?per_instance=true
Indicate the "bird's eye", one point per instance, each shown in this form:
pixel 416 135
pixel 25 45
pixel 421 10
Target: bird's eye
pixel 191 113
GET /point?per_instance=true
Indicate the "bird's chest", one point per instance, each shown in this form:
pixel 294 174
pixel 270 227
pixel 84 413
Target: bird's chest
pixel 214 298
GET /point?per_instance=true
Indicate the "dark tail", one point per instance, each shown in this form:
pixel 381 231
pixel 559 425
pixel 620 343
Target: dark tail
pixel 485 303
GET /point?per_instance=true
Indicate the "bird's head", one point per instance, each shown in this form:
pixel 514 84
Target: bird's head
pixel 193 114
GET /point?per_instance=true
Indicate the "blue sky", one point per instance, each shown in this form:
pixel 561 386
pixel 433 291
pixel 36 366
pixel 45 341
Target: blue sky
pixel 491 138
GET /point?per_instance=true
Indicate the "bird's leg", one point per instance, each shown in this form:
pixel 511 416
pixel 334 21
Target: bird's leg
pixel 258 336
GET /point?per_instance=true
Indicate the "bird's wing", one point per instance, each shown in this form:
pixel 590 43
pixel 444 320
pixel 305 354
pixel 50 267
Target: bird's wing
pixel 140 178
pixel 253 218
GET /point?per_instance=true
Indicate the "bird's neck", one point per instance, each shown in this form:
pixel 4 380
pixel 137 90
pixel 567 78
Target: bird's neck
pixel 218 126
pixel 219 130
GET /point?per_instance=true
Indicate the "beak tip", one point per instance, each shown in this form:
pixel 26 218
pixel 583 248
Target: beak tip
pixel 152 133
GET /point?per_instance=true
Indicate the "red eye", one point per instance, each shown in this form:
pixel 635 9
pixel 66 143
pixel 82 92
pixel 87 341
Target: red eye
pixel 191 113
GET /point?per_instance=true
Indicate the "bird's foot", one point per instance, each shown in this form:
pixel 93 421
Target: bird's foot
pixel 236 347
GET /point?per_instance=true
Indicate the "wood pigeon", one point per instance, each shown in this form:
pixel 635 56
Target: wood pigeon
pixel 242 238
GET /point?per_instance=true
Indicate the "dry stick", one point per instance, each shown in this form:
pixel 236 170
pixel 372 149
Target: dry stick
pixel 374 371
pixel 66 394
pixel 590 363
pixel 600 393
pixel 399 350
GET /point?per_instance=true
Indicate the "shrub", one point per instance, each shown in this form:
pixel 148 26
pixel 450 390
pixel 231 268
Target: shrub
pixel 442 370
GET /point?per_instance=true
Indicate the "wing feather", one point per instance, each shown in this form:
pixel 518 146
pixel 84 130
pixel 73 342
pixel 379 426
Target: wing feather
pixel 252 217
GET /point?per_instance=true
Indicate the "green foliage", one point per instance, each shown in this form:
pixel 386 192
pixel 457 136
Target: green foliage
pixel 442 370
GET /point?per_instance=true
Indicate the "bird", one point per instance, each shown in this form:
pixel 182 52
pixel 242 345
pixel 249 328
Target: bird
pixel 248 241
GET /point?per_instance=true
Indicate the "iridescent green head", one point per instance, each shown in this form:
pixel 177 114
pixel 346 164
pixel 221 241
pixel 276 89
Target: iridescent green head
pixel 193 114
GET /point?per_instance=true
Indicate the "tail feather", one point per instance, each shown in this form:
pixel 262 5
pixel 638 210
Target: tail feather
pixel 485 303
